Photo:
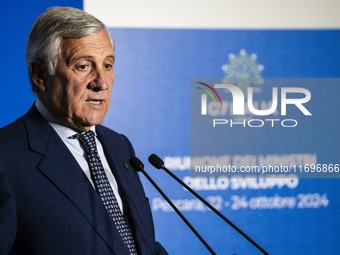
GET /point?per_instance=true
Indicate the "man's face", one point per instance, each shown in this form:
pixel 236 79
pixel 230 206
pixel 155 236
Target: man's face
pixel 79 93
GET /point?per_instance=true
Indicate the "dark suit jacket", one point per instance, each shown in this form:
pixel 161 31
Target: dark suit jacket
pixel 47 204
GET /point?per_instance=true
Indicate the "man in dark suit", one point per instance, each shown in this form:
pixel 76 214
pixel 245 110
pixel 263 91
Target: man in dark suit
pixel 56 197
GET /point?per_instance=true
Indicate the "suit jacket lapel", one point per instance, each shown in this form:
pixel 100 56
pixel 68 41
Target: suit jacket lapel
pixel 60 167
pixel 128 183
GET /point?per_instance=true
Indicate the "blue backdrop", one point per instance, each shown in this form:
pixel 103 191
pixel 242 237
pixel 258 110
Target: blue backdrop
pixel 17 19
pixel 151 104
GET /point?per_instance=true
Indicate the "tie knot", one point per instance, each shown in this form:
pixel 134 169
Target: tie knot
pixel 88 135
pixel 84 135
pixel 87 139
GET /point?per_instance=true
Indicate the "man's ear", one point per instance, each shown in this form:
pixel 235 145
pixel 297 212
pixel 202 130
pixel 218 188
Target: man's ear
pixel 38 74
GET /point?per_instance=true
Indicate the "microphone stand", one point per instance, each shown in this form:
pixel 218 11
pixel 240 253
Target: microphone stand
pixel 158 163
pixel 139 166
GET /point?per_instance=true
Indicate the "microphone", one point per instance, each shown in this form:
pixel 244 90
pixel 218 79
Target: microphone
pixel 139 166
pixel 158 163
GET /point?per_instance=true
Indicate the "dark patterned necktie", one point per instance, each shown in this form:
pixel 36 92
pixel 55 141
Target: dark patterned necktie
pixel 104 189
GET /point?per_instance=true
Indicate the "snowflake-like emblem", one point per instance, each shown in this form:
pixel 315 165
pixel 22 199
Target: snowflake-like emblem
pixel 243 70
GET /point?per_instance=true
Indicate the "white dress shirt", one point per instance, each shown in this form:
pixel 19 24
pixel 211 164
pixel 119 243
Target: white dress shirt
pixel 77 151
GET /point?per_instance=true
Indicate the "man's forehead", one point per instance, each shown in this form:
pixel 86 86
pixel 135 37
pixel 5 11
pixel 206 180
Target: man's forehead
pixel 90 46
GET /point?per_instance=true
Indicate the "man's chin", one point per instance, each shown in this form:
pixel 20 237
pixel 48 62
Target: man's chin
pixel 96 120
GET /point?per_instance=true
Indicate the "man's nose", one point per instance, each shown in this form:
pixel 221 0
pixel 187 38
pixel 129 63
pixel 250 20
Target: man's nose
pixel 99 82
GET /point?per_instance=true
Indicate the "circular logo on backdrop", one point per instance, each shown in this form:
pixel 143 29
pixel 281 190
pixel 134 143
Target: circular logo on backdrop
pixel 243 70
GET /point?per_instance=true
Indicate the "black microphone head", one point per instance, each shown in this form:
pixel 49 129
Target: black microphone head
pixel 156 161
pixel 136 163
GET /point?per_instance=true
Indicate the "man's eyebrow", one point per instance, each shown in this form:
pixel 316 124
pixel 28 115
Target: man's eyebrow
pixel 111 56
pixel 86 57
pixel 73 59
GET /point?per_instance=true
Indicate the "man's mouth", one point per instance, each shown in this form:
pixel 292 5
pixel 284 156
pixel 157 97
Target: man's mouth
pixel 94 102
